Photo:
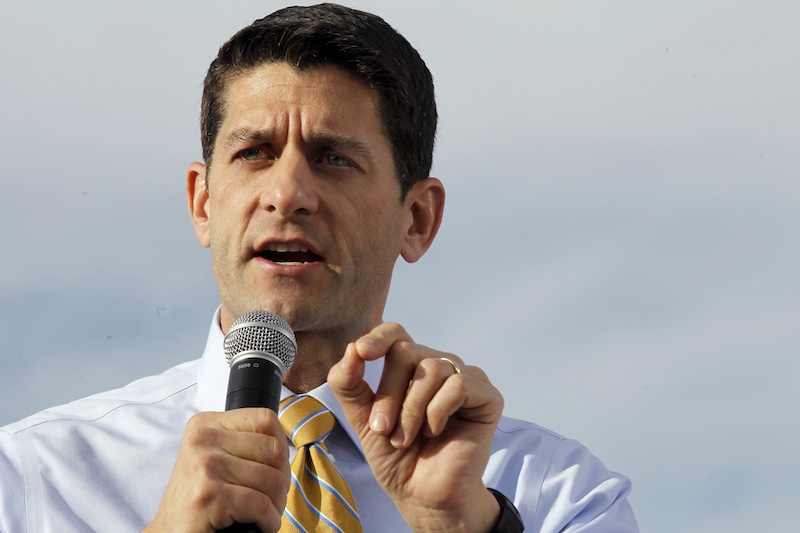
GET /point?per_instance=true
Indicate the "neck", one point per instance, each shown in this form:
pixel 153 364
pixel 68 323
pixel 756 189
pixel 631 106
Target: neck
pixel 317 352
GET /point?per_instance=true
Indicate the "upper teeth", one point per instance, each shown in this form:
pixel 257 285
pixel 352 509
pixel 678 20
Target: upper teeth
pixel 286 247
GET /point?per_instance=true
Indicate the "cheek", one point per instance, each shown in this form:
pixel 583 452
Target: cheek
pixel 230 211
pixel 382 229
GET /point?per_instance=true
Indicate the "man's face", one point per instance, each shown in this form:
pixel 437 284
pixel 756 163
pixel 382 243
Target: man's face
pixel 303 213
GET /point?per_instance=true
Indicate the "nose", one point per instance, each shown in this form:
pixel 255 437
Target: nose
pixel 289 187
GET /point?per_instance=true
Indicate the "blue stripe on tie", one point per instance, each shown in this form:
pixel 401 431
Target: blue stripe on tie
pixel 314 510
pixel 330 488
pixel 294 521
pixel 303 422
pixel 291 402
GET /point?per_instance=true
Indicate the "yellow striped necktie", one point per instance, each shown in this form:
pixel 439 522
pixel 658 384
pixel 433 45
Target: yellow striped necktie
pixel 319 499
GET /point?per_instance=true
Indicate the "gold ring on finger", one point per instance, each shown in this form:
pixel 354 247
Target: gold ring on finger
pixel 453 364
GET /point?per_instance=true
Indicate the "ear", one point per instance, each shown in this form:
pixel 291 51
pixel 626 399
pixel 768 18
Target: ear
pixel 197 197
pixel 425 209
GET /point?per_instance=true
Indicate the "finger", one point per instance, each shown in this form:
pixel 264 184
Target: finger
pixel 252 460
pixel 215 462
pixel 251 434
pixel 398 371
pixel 346 380
pixel 245 506
pixel 469 396
pixel 222 473
pixel 270 480
pixel 267 476
pixel 380 340
pixel 347 374
pixel 429 377
pixel 401 358
pixel 249 420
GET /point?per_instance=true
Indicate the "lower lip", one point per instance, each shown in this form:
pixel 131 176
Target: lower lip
pixel 289 269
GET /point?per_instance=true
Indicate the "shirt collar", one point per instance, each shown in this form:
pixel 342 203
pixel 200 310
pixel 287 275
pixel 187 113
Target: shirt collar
pixel 212 378
pixel 212 381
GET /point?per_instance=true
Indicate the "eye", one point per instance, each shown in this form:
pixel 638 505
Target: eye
pixel 335 160
pixel 250 154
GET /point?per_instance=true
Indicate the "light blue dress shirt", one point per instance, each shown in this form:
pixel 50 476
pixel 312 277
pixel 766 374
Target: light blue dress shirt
pixel 101 464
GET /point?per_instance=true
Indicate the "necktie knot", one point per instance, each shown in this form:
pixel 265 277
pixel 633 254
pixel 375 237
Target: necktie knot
pixel 319 499
pixel 305 420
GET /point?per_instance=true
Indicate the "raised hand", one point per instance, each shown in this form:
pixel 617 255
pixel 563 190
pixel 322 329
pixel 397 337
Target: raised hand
pixel 426 432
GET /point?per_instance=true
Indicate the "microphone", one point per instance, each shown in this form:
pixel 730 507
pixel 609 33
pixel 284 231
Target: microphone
pixel 259 347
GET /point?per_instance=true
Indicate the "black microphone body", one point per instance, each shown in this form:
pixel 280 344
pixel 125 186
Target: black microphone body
pixel 260 347
pixel 240 528
pixel 254 382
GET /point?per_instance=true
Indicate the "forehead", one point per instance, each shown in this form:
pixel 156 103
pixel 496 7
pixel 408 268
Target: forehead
pixel 280 96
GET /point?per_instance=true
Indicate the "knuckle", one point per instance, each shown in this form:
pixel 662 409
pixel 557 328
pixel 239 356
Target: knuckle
pixel 478 373
pixel 434 367
pixel 458 384
pixel 201 436
pixel 198 420
pixel 438 367
pixel 277 480
pixel 271 511
pixel 208 463
pixel 262 505
pixel 210 498
pixel 386 402
pixel 403 347
pixel 263 419
pixel 394 328
pixel 431 363
pixel 208 493
pixel 279 449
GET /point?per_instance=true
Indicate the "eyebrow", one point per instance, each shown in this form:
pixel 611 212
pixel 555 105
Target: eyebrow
pixel 241 136
pixel 343 143
pixel 245 135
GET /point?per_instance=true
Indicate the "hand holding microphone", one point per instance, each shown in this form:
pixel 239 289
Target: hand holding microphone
pixel 235 465
pixel 260 347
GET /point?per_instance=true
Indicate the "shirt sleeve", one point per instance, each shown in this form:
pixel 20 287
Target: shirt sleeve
pixel 12 486
pixel 580 495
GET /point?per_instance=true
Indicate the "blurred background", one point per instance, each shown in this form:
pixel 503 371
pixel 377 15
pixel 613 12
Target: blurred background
pixel 620 246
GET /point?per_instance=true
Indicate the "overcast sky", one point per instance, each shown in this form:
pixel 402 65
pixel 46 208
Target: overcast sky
pixel 620 248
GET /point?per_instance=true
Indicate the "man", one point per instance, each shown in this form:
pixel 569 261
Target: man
pixel 318 126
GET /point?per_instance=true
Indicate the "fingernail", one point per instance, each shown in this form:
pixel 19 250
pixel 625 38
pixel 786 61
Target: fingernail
pixel 398 437
pixel 378 422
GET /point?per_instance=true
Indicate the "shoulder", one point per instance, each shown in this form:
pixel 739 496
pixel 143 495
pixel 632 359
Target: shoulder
pixel 75 452
pixel 556 482
pixel 153 393
pixel 514 436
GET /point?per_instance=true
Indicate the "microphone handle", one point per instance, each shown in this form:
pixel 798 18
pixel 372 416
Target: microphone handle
pixel 240 528
pixel 253 382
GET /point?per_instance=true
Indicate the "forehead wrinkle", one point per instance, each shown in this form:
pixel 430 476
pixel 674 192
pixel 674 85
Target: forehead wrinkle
pixel 246 136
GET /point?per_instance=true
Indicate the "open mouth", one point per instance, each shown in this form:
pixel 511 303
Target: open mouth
pixel 288 254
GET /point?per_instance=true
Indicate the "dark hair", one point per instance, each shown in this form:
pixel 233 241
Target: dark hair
pixel 361 43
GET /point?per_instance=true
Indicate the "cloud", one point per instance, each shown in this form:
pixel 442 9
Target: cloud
pixel 619 250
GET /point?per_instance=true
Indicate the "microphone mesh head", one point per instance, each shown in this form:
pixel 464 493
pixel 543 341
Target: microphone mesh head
pixel 261 331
